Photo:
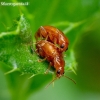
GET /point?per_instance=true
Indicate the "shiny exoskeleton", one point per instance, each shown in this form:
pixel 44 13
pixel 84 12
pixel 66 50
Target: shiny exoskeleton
pixel 53 35
pixel 51 53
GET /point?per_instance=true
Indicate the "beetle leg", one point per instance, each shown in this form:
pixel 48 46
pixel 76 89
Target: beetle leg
pixel 46 37
pixel 36 51
pixel 55 41
pixel 40 60
pixel 48 68
pixel 42 31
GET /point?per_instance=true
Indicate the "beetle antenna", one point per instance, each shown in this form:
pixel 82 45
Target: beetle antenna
pixel 51 82
pixel 70 79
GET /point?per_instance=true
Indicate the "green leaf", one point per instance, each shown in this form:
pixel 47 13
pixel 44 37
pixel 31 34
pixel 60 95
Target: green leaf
pixel 17 50
pixel 18 59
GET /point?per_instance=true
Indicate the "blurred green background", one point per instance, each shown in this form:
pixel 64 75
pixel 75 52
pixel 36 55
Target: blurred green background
pixel 84 40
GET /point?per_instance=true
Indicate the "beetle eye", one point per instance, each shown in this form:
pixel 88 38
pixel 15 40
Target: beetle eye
pixel 62 46
pixel 58 72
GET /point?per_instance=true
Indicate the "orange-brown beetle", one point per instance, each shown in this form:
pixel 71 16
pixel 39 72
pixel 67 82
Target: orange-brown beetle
pixel 53 35
pixel 49 51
